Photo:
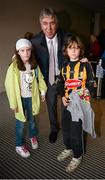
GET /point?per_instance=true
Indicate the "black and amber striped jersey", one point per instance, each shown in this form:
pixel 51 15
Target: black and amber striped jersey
pixel 77 71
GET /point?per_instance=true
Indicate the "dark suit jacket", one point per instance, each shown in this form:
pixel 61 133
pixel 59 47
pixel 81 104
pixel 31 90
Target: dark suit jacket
pixel 41 51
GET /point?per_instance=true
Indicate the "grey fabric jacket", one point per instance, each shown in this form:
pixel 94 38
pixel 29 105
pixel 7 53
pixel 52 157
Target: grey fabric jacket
pixel 83 111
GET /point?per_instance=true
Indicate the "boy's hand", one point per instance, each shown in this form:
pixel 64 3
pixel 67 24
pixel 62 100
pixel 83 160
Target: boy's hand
pixel 65 101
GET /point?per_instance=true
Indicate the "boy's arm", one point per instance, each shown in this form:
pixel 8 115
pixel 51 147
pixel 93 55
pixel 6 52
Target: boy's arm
pixel 90 79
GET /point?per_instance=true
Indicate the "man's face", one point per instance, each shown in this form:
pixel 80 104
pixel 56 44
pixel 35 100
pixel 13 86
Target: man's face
pixel 49 26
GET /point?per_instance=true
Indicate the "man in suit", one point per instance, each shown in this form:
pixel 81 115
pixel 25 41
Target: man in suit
pixel 41 44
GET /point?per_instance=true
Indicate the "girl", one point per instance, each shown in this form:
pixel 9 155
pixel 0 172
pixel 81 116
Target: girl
pixel 76 76
pixel 22 88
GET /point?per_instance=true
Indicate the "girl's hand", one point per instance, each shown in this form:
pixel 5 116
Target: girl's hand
pixel 65 101
pixel 15 110
pixel 43 98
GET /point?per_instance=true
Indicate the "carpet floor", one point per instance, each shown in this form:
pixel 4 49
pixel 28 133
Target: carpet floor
pixel 42 164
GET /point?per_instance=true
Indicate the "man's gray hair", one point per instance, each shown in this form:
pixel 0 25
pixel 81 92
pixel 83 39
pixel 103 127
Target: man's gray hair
pixel 48 12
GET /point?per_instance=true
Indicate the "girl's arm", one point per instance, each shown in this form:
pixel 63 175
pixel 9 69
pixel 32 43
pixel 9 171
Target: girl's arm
pixel 41 84
pixel 10 87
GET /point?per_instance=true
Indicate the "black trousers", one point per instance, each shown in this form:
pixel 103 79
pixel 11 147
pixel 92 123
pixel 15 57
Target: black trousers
pixel 72 133
pixel 52 94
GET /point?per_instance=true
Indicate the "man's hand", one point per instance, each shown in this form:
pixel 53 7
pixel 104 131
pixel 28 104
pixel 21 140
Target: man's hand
pixel 83 60
pixel 65 101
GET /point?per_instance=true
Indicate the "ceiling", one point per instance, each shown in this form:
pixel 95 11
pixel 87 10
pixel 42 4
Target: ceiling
pixel 93 5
